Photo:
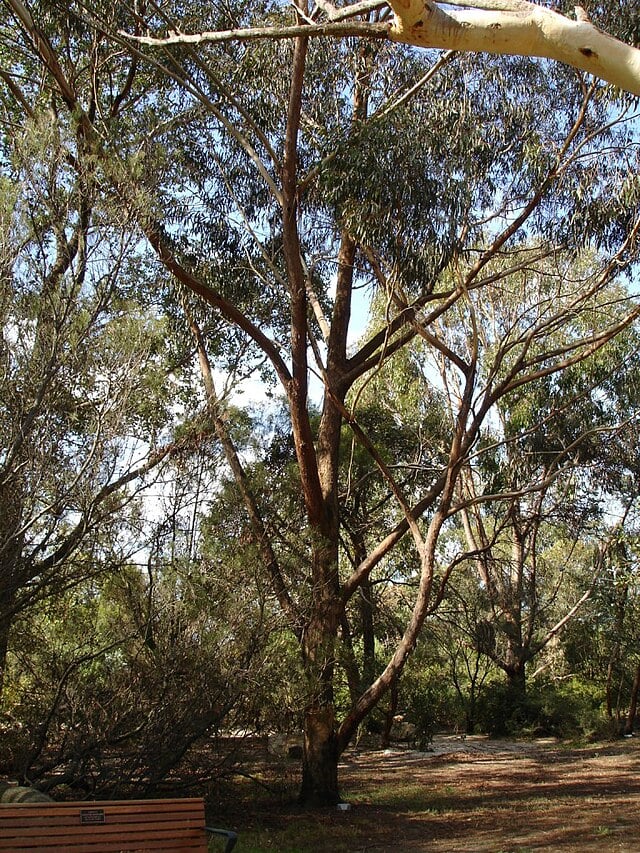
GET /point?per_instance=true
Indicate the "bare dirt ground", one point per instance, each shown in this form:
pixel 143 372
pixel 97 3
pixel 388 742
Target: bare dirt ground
pixel 482 796
pixel 464 796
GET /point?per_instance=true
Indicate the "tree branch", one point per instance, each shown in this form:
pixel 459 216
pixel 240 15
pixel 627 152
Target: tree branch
pixel 522 29
pixel 510 27
pixel 333 29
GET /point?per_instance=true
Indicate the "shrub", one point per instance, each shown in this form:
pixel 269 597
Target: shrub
pixel 569 708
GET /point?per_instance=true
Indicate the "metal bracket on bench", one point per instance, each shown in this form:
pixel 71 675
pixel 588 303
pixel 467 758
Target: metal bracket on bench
pixel 231 837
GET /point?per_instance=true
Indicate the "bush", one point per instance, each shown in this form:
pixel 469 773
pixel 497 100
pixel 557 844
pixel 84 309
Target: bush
pixel 560 709
pixel 98 702
pixel 430 704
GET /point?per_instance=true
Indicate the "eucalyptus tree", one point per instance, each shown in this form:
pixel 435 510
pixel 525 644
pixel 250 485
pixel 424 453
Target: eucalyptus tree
pixel 455 631
pixel 601 644
pixel 281 181
pixel 536 524
pixel 84 417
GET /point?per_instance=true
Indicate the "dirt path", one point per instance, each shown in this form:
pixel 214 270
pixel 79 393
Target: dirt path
pixel 482 796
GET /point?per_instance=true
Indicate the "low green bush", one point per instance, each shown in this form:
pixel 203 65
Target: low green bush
pixel 569 708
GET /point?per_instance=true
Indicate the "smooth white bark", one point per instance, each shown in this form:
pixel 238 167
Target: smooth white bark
pixel 520 29
pixel 514 27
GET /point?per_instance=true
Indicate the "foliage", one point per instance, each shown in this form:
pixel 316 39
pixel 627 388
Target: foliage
pixel 563 709
pixel 226 211
pixel 117 694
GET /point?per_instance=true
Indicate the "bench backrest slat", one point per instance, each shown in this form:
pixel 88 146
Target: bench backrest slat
pixel 99 827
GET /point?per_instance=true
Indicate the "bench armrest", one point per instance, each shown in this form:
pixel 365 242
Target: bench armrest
pixel 231 837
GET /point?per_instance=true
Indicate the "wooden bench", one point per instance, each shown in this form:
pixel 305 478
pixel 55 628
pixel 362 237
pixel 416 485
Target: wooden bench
pixel 124 826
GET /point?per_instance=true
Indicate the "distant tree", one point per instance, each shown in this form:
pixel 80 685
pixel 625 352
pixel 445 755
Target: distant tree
pixel 533 524
pixel 601 645
pixel 454 631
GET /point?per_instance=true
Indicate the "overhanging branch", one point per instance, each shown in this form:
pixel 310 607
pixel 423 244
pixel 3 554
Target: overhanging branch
pixel 518 29
pixel 333 29
pixel 510 27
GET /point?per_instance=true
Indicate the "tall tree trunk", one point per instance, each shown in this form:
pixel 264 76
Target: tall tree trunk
pixel 319 785
pixel 5 627
pixel 614 656
pixel 517 690
pixel 633 705
pixel 321 745
pixel 317 464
